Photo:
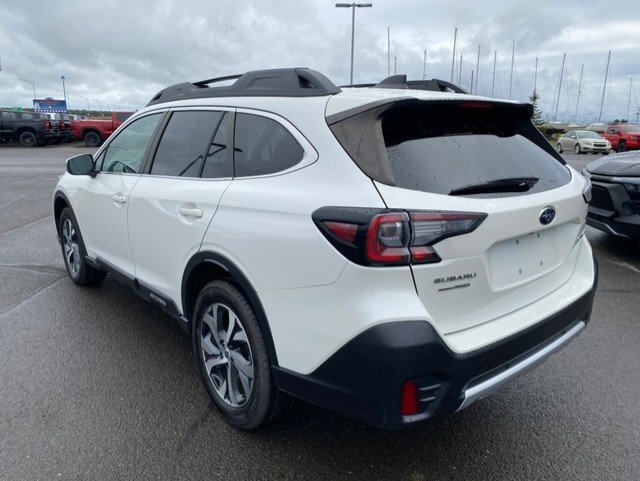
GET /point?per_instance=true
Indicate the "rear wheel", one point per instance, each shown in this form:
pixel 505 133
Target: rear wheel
pixel 559 148
pixel 92 139
pixel 28 139
pixel 232 357
pixel 577 149
pixel 74 252
pixel 622 147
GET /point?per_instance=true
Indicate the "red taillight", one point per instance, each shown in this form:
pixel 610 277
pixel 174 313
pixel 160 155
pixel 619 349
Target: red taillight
pixel 388 238
pixel 410 399
pixel 393 237
pixel 342 230
pixel 47 125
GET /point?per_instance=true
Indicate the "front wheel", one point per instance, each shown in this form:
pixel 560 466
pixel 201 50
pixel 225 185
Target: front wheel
pixel 232 357
pixel 74 252
pixel 577 149
pixel 559 148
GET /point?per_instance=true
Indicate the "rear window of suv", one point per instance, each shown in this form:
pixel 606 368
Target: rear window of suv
pixel 447 146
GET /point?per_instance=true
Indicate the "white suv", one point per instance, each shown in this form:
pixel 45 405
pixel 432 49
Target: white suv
pixel 392 252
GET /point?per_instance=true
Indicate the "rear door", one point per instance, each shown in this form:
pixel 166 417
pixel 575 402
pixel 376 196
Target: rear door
pixel 484 158
pixel 174 201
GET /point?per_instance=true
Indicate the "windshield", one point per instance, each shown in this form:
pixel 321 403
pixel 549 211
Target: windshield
pixel 585 134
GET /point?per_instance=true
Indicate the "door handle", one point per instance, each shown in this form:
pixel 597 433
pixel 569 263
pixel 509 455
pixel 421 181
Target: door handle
pixel 190 212
pixel 119 198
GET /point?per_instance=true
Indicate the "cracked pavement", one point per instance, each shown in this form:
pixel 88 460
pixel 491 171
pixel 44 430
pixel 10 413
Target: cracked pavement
pixel 98 384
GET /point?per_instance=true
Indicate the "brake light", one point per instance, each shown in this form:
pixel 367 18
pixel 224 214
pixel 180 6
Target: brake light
pixel 47 125
pixel 380 238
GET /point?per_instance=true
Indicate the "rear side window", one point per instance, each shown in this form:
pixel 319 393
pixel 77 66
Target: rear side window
pixel 185 142
pixel 442 149
pixel 263 146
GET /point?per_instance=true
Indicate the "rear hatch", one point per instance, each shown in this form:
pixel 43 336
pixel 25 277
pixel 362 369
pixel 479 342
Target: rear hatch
pixel 475 157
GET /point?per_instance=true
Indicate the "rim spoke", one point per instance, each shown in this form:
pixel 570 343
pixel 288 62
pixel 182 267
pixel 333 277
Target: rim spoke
pixel 211 320
pixel 223 389
pixel 209 347
pixel 69 257
pixel 231 385
pixel 246 384
pixel 243 365
pixel 213 362
pixel 232 326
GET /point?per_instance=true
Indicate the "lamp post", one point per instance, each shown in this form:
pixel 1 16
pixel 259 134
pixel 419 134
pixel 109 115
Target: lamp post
pixel 32 84
pixel 353 7
pixel 64 91
pixel 83 97
pixel 100 104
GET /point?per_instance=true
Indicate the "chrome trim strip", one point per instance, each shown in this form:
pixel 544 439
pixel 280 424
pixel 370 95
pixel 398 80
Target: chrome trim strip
pixel 479 391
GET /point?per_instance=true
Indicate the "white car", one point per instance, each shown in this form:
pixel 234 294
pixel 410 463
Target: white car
pixel 391 253
pixel 583 142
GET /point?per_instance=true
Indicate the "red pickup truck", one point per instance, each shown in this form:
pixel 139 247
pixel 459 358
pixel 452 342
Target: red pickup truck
pixel 96 131
pixel 623 137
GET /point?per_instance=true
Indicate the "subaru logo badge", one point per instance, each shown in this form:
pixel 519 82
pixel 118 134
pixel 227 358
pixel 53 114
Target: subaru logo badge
pixel 547 215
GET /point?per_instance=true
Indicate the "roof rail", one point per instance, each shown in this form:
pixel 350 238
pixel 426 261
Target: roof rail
pixel 401 82
pixel 285 82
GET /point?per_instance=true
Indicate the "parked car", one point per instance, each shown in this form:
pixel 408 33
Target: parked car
pixel 28 128
pixel 623 137
pixel 583 142
pixel 393 252
pixel 95 131
pixel 63 121
pixel 615 202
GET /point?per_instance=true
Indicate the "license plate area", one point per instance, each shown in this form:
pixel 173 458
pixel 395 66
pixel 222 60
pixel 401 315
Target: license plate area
pixel 521 259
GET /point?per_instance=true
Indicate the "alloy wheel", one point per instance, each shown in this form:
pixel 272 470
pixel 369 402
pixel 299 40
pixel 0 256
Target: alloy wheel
pixel 71 247
pixel 227 355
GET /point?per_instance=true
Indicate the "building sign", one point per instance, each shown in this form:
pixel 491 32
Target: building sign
pixel 50 105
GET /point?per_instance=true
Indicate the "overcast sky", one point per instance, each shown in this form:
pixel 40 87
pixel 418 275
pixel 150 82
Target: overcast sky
pixel 120 53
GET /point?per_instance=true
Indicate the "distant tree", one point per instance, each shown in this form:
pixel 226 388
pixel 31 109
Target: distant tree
pixel 537 118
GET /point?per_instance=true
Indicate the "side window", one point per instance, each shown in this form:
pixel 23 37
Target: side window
pixel 184 143
pixel 219 163
pixel 126 152
pixel 263 146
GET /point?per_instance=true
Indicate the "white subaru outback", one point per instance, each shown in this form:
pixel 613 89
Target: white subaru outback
pixel 393 252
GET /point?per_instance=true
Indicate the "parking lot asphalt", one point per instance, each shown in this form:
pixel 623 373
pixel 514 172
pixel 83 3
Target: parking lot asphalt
pixel 98 384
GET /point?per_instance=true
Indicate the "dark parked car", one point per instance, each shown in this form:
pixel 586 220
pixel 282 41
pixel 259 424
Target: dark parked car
pixel 615 201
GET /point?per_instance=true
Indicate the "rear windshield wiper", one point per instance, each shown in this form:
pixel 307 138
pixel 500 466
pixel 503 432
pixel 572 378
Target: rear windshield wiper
pixel 510 184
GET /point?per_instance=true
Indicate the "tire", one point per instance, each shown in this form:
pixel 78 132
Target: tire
pixel 222 313
pixel 28 139
pixel 577 149
pixel 605 153
pixel 74 252
pixel 622 147
pixel 92 139
pixel 559 148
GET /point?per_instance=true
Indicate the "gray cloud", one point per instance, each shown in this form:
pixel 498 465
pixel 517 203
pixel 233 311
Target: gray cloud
pixel 120 53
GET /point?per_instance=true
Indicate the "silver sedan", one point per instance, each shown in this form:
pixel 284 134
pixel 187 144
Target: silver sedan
pixel 582 142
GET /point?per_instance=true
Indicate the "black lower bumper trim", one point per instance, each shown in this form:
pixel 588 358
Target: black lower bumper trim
pixel 364 379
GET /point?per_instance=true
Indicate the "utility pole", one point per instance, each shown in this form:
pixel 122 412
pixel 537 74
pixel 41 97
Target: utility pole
pixel 424 66
pixel 453 59
pixel 460 71
pixel 353 7
pixel 575 115
pixel 493 81
pixel 388 53
pixel 513 54
pixel 555 117
pixel 606 74
pixel 472 81
pixel 395 65
pixel 477 73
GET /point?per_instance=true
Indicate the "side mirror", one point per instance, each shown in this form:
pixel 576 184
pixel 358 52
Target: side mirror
pixel 82 164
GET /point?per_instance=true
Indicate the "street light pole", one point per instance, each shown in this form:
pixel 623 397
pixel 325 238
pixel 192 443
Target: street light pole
pixel 32 84
pixel 64 91
pixel 353 6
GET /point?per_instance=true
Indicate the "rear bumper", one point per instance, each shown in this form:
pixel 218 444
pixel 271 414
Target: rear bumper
pixel 364 379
